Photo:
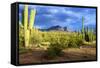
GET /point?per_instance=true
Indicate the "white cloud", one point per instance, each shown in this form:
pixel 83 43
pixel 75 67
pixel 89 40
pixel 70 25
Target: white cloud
pixel 90 19
pixel 49 15
pixel 68 20
pixel 72 13
pixel 53 10
pixel 37 26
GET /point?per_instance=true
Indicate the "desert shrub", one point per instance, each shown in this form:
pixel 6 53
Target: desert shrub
pixel 75 41
pixel 54 50
pixel 79 40
pixel 45 36
pixel 21 37
pixel 35 37
pixel 57 37
pixel 58 42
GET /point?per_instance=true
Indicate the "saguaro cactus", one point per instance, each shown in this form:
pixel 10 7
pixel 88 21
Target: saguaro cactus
pixel 32 19
pixel 26 32
pixel 28 26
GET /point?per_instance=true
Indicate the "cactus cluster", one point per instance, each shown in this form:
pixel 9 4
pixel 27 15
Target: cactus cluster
pixel 87 34
pixel 83 27
pixel 28 24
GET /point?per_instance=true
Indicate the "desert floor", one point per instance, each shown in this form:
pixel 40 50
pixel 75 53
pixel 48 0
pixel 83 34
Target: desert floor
pixel 70 54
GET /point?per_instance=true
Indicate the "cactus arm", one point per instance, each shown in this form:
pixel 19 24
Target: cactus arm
pixel 32 19
pixel 25 17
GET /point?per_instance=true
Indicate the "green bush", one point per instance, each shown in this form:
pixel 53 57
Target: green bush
pixel 54 50
pixel 75 41
pixel 36 37
pixel 21 37
pixel 58 42
pixel 45 36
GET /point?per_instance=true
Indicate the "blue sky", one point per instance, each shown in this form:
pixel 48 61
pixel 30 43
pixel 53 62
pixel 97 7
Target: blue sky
pixel 70 17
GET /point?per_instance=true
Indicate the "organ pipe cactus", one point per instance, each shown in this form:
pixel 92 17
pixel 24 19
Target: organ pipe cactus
pixel 28 26
pixel 86 35
pixel 91 35
pixel 83 27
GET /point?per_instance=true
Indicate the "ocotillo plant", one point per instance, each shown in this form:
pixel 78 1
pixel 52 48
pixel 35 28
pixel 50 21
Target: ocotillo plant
pixel 28 26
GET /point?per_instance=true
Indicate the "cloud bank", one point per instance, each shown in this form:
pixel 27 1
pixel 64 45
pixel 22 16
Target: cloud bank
pixel 71 17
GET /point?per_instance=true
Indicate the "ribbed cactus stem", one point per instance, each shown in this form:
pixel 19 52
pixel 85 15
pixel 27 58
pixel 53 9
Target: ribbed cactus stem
pixel 83 27
pixel 25 17
pixel 26 32
pixel 27 26
pixel 91 31
pixel 32 19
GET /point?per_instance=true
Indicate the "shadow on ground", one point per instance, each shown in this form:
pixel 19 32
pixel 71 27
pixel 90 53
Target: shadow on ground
pixel 71 54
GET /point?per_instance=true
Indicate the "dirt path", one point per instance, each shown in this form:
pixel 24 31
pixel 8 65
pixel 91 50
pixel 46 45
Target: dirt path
pixel 72 54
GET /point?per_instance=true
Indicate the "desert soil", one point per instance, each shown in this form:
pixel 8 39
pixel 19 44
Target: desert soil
pixel 70 54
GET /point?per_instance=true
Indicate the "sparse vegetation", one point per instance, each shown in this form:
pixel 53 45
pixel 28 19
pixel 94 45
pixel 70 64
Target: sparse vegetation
pixel 54 42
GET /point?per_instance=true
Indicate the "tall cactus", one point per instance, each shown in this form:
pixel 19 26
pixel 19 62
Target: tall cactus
pixel 91 34
pixel 26 31
pixel 83 27
pixel 32 19
pixel 86 34
pixel 27 26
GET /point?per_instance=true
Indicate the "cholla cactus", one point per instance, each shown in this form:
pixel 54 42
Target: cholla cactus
pixel 28 26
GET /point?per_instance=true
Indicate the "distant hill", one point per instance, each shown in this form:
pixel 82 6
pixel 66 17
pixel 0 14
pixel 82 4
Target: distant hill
pixel 55 28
